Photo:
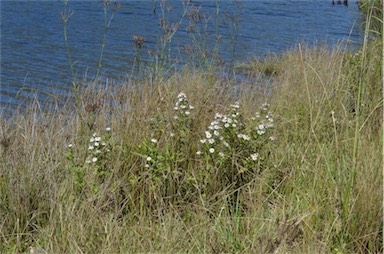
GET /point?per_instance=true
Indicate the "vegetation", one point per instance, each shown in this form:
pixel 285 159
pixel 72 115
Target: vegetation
pixel 193 163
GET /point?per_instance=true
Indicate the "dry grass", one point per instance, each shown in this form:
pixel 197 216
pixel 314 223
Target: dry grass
pixel 319 191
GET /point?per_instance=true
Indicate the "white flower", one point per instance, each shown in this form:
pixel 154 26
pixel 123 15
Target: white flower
pixel 208 134
pixel 98 151
pixel 181 95
pixel 175 117
pixel 254 156
pixel 245 137
pixel 225 144
pixel 203 140
pixel 216 133
pixel 172 134
pixel 234 125
pixel 97 138
pixel 94 134
pixel 272 138
pixel 97 144
pixel 261 127
pixel 226 125
pixel 257 114
pixel 90 148
pixel 240 135
pixel 183 106
pixel 70 145
pixel 236 105
pixel 92 140
pixel 191 107
pixel 187 112
pixel 211 141
pixel 149 158
pixel 103 143
pixel 218 116
pixel 211 150
pixel 176 108
pixel 108 129
pixel 153 140
pixel 216 127
pixel 198 152
pixel 260 132
pixel 146 165
pixel 94 159
pixel 221 154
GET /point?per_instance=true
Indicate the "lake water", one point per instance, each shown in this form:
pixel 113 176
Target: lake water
pixel 34 56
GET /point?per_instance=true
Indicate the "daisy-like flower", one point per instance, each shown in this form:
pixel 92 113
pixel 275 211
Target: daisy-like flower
pixel 97 139
pixel 272 138
pixel 216 133
pixel 261 127
pixel 211 141
pixel 260 132
pixel 226 125
pixel 149 158
pixel 97 143
pixel 181 95
pixel 245 137
pixel 70 145
pixel 203 141
pixel 198 152
pixel 191 107
pixel 108 129
pixel 187 112
pixel 254 156
pixel 92 140
pixel 176 108
pixel 208 134
pixel 236 105
pixel 94 159
pixel 221 154
pixel 240 135
pixel 90 148
pixel 172 134
pixel 154 140
pixel 211 150
pixel 183 106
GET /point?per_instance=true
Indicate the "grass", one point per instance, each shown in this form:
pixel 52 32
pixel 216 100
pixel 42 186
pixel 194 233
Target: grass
pixel 315 188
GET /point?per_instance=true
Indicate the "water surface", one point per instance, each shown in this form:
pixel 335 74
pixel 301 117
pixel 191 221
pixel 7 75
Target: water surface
pixel 34 56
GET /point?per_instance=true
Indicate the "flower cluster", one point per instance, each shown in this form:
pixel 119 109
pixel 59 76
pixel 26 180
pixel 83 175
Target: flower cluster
pixel 99 149
pixel 230 134
pixel 263 122
pixel 182 107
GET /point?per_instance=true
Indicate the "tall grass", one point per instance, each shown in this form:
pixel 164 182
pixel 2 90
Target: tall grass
pixel 316 188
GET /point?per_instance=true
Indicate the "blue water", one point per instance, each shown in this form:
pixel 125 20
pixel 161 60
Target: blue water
pixel 34 56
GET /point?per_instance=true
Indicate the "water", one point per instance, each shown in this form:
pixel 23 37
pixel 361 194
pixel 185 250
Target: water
pixel 34 56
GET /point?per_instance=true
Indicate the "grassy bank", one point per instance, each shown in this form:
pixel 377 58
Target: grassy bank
pixel 308 180
pixel 200 163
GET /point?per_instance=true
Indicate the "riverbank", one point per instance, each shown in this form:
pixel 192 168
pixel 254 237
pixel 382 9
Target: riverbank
pixel 194 163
